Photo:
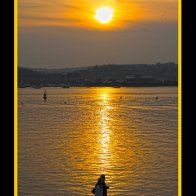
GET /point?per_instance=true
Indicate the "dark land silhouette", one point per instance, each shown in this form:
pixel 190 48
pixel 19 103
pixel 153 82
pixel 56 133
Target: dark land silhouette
pixel 160 74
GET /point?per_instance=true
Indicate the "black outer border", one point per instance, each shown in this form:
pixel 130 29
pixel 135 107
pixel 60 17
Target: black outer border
pixel 188 97
pixel 7 97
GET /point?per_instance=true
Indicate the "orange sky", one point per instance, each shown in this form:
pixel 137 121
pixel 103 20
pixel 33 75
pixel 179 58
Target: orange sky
pixel 80 13
pixel 65 33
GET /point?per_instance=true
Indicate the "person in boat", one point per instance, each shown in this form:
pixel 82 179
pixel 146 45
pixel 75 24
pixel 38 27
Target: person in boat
pixel 103 185
pixel 99 188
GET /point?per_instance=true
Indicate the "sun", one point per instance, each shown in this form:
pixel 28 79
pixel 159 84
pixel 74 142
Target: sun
pixel 104 14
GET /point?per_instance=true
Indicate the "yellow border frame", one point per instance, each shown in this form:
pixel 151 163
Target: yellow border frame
pixel 16 98
pixel 179 97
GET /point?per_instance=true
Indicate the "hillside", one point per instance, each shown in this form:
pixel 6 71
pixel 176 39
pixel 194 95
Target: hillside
pixel 102 75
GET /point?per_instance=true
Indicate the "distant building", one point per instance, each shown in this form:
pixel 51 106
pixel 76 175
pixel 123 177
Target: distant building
pixel 140 79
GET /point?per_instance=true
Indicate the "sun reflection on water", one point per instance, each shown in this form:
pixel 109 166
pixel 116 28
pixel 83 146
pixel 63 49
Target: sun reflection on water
pixel 108 145
pixel 105 131
pixel 99 133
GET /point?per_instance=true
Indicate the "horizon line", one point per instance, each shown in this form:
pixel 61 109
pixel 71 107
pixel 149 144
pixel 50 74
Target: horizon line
pixel 75 67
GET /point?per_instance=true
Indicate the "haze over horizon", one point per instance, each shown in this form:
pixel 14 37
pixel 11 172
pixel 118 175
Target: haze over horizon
pixel 64 34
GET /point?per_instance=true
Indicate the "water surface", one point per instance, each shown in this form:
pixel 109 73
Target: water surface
pixel 80 133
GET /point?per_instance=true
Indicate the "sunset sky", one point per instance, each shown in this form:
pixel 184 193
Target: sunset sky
pixel 67 33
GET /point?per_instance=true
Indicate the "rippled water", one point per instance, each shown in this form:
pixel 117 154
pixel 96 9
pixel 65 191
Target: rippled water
pixel 80 133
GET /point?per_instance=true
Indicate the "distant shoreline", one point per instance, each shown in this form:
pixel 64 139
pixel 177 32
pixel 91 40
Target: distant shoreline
pixel 115 76
pixel 98 86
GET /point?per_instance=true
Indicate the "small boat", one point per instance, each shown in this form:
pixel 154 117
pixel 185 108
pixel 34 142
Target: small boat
pixel 65 86
pixel 36 87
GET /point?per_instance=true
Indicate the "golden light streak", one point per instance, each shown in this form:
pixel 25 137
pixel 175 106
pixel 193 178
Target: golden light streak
pixel 104 131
